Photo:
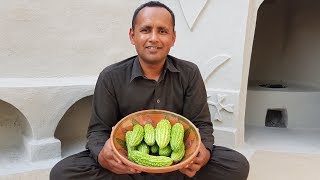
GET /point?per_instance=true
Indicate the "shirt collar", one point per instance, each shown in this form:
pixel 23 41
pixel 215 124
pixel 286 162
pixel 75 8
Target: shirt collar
pixel 169 65
pixel 137 70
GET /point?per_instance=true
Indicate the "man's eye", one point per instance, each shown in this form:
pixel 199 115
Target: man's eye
pixel 144 30
pixel 163 32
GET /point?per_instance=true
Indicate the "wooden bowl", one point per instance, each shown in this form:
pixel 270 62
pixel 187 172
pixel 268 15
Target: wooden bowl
pixel 192 138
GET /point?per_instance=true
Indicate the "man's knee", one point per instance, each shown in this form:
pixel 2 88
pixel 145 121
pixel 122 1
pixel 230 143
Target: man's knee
pixel 243 166
pixel 225 164
pixel 70 167
pixel 237 163
pixel 56 172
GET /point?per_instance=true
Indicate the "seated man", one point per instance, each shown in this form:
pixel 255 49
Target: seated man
pixel 151 80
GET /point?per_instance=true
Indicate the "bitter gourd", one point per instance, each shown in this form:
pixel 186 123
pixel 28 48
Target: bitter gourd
pixel 163 131
pixel 149 134
pixel 129 148
pixel 143 147
pixel 166 151
pixel 176 156
pixel 150 160
pixel 154 149
pixel 136 136
pixel 177 134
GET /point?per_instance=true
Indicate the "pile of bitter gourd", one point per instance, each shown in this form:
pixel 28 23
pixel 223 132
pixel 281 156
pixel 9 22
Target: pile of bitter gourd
pixel 156 147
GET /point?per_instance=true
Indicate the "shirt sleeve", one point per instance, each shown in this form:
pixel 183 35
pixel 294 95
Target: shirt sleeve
pixel 104 115
pixel 196 108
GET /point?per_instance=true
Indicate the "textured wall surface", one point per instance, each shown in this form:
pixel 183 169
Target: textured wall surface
pixel 48 39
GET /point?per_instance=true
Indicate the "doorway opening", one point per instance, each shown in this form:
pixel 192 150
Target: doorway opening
pixel 283 92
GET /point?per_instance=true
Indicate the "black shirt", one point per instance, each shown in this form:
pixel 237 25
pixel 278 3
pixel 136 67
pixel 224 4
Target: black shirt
pixel 122 89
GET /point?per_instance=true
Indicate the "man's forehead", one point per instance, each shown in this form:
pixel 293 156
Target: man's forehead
pixel 148 14
pixel 155 9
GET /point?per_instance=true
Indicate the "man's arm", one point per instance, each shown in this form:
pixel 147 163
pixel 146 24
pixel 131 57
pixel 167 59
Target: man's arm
pixel 196 108
pixel 104 115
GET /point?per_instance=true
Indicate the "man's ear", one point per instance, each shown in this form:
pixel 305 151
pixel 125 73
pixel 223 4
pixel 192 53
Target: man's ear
pixel 174 38
pixel 131 36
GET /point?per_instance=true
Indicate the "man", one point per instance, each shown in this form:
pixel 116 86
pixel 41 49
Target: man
pixel 151 80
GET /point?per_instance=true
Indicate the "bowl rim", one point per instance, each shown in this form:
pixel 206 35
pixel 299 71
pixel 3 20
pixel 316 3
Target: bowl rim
pixel 155 169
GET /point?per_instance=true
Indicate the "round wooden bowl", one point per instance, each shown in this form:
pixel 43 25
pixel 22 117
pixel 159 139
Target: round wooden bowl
pixel 192 138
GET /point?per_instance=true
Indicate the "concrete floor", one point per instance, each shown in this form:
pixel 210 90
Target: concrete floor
pixel 265 165
pixel 284 153
pixel 282 139
pixel 42 174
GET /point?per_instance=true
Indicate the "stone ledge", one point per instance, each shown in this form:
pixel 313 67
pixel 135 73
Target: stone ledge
pixel 43 149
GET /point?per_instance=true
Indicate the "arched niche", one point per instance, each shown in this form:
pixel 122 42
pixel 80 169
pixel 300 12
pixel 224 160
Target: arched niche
pixel 72 128
pixel 14 130
pixel 283 92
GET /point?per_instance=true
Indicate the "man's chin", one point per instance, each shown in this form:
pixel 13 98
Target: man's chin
pixel 153 60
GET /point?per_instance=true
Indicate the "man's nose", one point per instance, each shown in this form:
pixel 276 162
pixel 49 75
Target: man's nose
pixel 154 36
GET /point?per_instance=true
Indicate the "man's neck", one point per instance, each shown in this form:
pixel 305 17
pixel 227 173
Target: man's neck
pixel 152 71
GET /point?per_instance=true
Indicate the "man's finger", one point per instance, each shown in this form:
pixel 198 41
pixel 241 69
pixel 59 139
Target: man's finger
pixel 187 172
pixel 194 167
pixel 125 169
pixel 121 168
pixel 115 157
pixel 197 160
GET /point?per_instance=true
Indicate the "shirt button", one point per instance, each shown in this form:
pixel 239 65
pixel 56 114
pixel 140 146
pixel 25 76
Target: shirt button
pixel 158 101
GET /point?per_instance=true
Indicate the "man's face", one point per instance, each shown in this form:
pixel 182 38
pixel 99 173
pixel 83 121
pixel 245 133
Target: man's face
pixel 153 34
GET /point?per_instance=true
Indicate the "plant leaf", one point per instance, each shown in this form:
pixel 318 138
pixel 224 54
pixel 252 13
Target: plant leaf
pixel 122 143
pixel 186 134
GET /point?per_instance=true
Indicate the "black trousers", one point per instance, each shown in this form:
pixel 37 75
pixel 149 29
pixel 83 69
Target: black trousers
pixel 225 164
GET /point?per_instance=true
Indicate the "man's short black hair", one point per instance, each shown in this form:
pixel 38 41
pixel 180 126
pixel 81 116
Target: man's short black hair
pixel 151 4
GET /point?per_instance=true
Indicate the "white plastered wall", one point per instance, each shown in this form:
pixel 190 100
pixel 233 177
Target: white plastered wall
pixel 48 39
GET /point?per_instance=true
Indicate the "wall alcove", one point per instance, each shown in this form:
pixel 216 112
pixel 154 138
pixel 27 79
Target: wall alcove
pixel 14 129
pixel 284 76
pixel 72 128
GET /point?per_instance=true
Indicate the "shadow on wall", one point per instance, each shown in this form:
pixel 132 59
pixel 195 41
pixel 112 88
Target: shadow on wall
pixel 14 128
pixel 72 128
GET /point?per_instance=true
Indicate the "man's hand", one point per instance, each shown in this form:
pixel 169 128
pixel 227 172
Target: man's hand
pixel 198 162
pixel 108 160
